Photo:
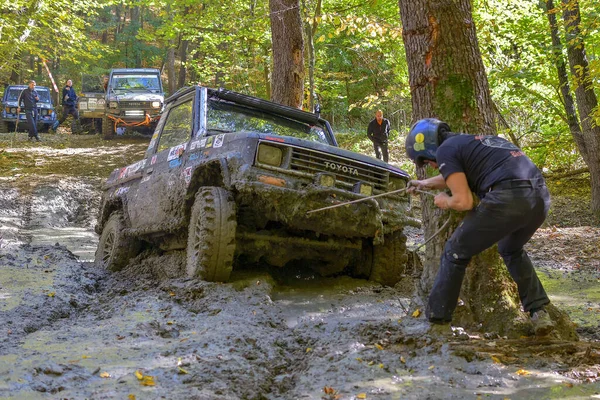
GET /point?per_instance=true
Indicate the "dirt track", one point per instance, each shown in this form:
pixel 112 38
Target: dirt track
pixel 72 331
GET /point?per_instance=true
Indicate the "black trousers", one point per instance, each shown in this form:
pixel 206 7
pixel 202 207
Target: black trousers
pixel 377 145
pixel 31 116
pixel 508 217
pixel 69 110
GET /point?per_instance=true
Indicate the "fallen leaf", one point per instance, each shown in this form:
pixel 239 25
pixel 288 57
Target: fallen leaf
pixel 182 371
pixel 148 380
pixel 522 372
pixel 361 396
pixel 308 349
pixel 431 367
pixel 416 313
pixel 51 294
pixel 496 360
pixel 329 390
pixel 104 375
pixel 379 347
pixel 402 360
pixel 131 397
pixel 84 357
pixel 359 359
pixel 169 322
pixel 381 365
pixel 171 294
pixel 139 375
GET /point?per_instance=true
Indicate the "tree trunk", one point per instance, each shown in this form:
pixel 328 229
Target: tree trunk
pixel 267 74
pixel 311 30
pixel 172 81
pixel 135 27
pixel 448 81
pixel 287 85
pixel 585 97
pixel 183 57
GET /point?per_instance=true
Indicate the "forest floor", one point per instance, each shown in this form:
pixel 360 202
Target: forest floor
pixel 71 331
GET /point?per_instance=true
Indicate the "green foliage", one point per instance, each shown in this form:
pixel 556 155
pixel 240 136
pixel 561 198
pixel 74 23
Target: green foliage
pixel 360 63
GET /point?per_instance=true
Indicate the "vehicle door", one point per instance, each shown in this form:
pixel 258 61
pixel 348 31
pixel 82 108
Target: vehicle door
pixel 159 202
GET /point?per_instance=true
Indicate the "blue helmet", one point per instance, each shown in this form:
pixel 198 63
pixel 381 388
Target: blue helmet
pixel 423 139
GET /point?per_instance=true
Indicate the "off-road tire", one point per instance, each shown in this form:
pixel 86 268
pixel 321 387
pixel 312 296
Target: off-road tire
pixel 389 259
pixel 211 235
pixel 3 126
pixel 114 248
pixel 108 128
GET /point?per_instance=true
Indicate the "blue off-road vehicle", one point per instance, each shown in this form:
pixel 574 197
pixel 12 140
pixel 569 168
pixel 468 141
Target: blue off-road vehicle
pixel 231 179
pixel 46 116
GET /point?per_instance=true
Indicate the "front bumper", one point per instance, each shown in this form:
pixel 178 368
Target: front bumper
pixel 371 218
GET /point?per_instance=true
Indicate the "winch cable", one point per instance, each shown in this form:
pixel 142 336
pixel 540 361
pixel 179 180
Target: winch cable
pixel 368 198
pixel 414 251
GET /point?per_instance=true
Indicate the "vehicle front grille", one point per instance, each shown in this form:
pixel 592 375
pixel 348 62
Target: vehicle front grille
pixel 135 104
pixel 347 172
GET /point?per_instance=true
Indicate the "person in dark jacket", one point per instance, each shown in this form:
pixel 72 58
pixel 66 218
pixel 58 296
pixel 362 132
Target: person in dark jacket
pixel 29 98
pixel 378 132
pixel 514 204
pixel 69 101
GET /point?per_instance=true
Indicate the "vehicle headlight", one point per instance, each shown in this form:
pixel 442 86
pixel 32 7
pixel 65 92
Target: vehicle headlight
pixel 13 110
pixel 363 188
pixel 44 111
pixel 113 104
pixel 269 155
pixel 396 183
pixel 156 104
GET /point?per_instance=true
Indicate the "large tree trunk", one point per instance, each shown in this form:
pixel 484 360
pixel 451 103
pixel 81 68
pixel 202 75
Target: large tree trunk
pixel 448 81
pixel 585 96
pixel 311 30
pixel 287 85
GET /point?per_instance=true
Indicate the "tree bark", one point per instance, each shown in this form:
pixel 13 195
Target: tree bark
pixel 585 96
pixel 183 57
pixel 172 81
pixel 287 84
pixel 448 81
pixel 311 30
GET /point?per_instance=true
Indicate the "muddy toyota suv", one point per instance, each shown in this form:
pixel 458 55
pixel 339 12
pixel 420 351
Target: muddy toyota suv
pixel 230 178
pixel 134 100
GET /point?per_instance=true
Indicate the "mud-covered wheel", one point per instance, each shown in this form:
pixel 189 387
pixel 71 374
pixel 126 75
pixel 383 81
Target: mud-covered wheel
pixel 389 259
pixel 114 248
pixel 3 126
pixel 108 128
pixel 211 235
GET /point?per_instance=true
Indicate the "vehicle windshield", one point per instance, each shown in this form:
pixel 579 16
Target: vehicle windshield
pixel 227 117
pixel 135 82
pixel 43 94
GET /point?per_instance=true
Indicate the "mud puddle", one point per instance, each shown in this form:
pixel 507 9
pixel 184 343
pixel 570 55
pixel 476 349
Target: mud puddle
pixel 74 332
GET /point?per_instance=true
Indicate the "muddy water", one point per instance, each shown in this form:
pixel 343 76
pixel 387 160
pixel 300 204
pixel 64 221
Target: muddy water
pixel 72 331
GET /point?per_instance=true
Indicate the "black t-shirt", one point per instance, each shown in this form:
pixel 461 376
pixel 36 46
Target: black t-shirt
pixel 485 160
